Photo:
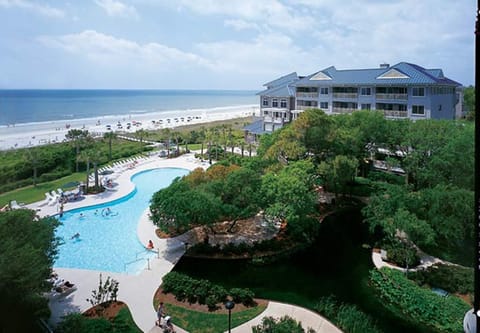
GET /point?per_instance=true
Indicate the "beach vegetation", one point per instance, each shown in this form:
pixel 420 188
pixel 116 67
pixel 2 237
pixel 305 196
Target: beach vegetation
pixel 47 165
pixel 27 252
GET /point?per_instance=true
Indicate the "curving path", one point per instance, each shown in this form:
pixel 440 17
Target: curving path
pixel 137 291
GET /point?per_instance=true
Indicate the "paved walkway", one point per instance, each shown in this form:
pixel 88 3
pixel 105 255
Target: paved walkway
pixel 137 291
pixel 306 317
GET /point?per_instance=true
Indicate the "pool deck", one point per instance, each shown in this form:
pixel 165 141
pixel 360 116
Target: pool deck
pixel 137 291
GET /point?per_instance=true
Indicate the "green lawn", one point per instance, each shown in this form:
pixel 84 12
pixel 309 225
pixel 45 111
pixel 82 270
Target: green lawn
pixel 31 194
pixel 201 322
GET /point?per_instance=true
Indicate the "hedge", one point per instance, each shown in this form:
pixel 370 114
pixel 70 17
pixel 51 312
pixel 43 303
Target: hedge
pixel 203 291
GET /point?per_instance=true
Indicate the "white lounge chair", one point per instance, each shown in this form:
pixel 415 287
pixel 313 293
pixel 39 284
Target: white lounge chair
pixel 15 205
pixel 53 198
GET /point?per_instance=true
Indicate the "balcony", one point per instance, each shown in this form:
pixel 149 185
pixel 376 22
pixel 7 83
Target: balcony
pixel 403 97
pixel 395 114
pixel 307 94
pixel 306 107
pixel 345 95
pixel 343 110
pixel 275 120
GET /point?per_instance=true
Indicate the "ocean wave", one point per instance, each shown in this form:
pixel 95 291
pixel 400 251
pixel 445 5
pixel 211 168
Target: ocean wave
pixel 153 114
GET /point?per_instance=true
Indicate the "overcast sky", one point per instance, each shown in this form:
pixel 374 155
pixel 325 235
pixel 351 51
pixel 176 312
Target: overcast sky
pixel 224 44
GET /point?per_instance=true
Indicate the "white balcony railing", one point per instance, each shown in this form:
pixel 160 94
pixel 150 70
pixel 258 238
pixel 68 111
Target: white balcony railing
pixel 305 107
pixel 395 114
pixel 307 94
pixel 392 96
pixel 275 120
pixel 345 95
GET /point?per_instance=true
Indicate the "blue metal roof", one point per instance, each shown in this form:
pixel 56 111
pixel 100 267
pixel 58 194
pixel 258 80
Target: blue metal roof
pixel 282 80
pixel 255 128
pixel 280 91
pixel 416 75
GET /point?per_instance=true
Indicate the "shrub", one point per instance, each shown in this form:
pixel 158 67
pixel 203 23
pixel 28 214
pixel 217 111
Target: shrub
pixel 346 316
pixel 244 296
pixel 420 306
pixel 203 291
pixel 401 253
pixel 284 324
pixel 211 302
pixel 454 279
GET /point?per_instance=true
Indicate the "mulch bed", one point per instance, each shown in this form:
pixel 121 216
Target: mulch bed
pixel 110 310
pixel 170 299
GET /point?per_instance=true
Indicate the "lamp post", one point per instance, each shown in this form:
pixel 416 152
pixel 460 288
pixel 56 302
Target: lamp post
pixel 229 306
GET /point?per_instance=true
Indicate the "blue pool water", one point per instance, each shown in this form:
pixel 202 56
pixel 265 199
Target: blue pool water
pixel 110 243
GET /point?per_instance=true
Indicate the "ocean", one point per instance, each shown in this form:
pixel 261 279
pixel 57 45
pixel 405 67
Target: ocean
pixel 33 106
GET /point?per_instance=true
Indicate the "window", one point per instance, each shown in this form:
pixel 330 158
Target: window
pixel 324 91
pixel 418 110
pixel 366 106
pixel 283 103
pixel 324 105
pixel 366 91
pixel 275 103
pixel 265 102
pixel 440 107
pixel 418 92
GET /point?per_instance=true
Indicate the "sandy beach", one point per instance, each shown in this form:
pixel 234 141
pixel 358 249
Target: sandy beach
pixel 33 134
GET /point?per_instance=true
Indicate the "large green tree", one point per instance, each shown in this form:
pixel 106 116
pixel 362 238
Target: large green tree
pixel 438 219
pixel 27 252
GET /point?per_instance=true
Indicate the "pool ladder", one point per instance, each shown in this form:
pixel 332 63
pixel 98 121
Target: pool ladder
pixel 137 259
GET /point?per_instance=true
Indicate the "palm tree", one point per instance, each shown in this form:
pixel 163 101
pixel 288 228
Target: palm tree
pixel 167 133
pixel 141 134
pixel 202 138
pixel 32 157
pixel 78 139
pixel 109 136
pixel 176 136
pixel 187 136
pixel 96 157
pixel 85 157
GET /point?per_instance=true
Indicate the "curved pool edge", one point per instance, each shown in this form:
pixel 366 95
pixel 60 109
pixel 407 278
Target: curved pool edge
pixel 125 187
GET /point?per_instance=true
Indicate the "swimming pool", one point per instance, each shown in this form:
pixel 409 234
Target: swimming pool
pixel 110 243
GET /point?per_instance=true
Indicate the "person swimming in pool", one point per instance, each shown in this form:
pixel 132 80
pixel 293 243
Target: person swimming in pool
pixel 76 236
pixel 108 212
pixel 81 216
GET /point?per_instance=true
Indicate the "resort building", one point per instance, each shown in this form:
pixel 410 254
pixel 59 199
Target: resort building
pixel 401 91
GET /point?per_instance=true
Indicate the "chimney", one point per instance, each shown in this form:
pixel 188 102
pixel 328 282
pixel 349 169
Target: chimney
pixel 384 65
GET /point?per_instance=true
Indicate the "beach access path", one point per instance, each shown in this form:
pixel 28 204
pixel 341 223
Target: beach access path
pixel 137 291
